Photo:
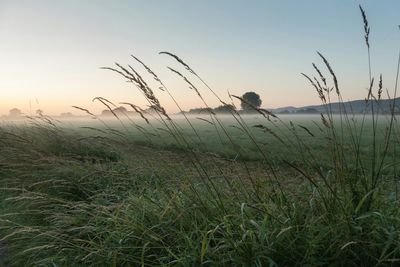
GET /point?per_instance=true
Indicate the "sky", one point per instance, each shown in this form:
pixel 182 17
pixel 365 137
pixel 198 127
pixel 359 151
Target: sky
pixel 51 51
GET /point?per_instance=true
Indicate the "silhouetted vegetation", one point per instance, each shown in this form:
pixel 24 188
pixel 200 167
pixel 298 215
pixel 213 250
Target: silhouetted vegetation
pixel 251 99
pixel 15 112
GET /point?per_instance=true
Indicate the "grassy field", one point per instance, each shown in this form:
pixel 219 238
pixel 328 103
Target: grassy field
pixel 212 190
pixel 104 194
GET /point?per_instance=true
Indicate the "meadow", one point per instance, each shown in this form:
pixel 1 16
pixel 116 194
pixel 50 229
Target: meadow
pixel 81 193
pixel 214 190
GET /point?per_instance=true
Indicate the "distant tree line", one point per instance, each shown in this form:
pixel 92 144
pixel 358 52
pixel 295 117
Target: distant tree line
pixel 220 109
pixel 248 102
pixel 123 111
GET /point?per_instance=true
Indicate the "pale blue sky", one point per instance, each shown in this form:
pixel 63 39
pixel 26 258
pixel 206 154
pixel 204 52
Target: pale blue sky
pixel 52 50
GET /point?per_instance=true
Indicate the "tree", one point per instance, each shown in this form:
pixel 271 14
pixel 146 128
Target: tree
pixel 15 112
pixel 67 114
pixel 106 112
pixel 224 108
pixel 39 112
pixel 120 110
pixel 200 110
pixel 251 98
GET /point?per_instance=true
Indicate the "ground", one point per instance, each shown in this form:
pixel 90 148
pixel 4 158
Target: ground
pixel 283 194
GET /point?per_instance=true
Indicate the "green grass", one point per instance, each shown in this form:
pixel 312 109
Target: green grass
pixel 121 201
pixel 216 142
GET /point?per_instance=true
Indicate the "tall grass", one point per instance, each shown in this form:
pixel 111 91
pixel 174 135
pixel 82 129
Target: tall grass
pixel 69 199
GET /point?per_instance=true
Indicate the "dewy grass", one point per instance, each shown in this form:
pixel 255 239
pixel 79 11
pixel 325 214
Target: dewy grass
pixel 281 191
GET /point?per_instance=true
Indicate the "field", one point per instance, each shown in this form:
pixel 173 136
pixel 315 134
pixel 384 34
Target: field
pixel 108 192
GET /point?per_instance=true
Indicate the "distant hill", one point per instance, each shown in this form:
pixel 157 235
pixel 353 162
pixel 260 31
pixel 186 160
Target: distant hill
pixel 288 109
pixel 382 106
